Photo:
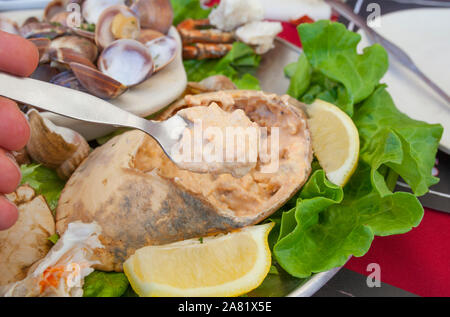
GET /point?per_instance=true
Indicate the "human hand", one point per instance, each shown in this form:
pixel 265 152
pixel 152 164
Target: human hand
pixel 19 57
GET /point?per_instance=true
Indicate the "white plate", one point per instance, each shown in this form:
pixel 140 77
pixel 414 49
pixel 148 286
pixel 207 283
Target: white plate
pixel 149 97
pixel 425 35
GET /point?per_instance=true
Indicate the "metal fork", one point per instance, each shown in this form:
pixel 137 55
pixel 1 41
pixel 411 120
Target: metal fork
pixel 395 51
pixel 82 106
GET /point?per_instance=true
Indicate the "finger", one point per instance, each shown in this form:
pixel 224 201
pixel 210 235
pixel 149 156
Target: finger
pixel 14 128
pixel 18 56
pixel 8 213
pixel 9 173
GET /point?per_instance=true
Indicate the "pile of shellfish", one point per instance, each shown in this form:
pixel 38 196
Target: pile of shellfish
pixel 114 45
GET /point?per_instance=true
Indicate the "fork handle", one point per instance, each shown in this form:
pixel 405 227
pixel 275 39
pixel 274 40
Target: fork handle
pixel 67 102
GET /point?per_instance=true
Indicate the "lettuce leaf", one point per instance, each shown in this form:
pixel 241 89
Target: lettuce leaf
pixel 328 224
pixel 105 284
pixel 239 65
pixel 330 51
pixel 390 137
pixel 183 9
pixel 44 181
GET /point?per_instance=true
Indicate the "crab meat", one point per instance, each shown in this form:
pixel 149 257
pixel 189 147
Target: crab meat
pixel 232 13
pixel 61 273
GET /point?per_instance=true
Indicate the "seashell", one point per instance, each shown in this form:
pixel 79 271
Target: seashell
pixel 53 8
pixel 55 147
pixel 78 44
pixel 9 26
pixel 60 18
pixel 92 9
pixel 146 200
pixel 30 20
pixel 67 55
pixel 42 29
pixel 116 22
pixel 154 14
pixel 97 83
pixel 127 61
pixel 84 33
pixel 43 45
pixel 147 35
pixel 67 79
pixel 163 50
pixel 44 72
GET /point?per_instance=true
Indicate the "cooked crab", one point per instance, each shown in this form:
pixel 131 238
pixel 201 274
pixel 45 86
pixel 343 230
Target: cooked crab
pixel 201 40
pixel 147 200
pixel 27 241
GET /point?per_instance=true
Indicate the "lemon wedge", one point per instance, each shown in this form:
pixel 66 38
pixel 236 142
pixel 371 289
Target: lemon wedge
pixel 226 265
pixel 335 140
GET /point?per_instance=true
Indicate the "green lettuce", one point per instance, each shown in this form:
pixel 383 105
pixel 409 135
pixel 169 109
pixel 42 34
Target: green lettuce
pixel 184 9
pixel 44 181
pixel 327 224
pixel 333 66
pixel 406 146
pixel 239 65
pixel 105 284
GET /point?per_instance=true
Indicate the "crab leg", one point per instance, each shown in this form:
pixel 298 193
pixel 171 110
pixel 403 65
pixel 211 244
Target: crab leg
pixel 200 31
pixel 204 50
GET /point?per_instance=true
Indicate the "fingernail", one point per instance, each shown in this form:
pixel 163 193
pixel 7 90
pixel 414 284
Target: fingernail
pixel 13 159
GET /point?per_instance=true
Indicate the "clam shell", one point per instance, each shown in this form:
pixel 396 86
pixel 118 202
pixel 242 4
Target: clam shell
pixel 66 56
pixel 67 79
pixel 163 50
pixel 84 33
pixel 53 8
pixel 9 26
pixel 127 61
pixel 42 29
pixel 103 31
pixel 43 45
pixel 44 72
pixel 147 35
pixel 55 147
pixel 92 9
pixel 30 20
pixel 78 44
pixel 96 82
pixel 154 14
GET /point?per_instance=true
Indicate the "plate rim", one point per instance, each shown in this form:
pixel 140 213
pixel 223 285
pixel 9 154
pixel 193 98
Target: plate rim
pixel 442 147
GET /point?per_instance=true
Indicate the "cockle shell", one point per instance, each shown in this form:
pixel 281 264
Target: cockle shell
pixel 127 61
pixel 104 31
pixel 154 14
pixel 56 147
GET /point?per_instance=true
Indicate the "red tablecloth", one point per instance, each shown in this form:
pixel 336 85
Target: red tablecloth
pixel 418 261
